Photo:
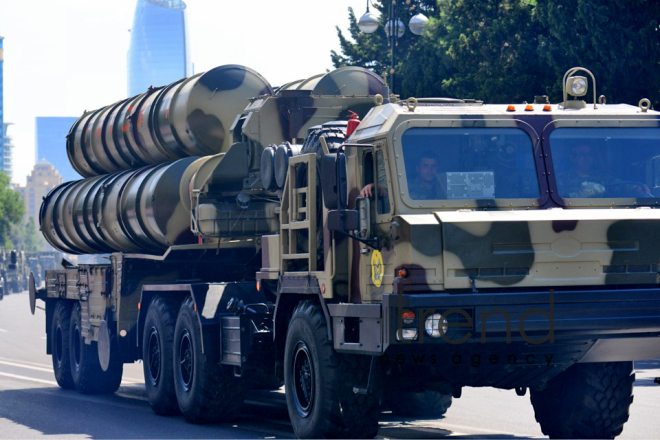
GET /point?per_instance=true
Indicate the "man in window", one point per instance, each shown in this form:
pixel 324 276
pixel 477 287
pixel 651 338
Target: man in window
pixel 424 185
pixel 582 179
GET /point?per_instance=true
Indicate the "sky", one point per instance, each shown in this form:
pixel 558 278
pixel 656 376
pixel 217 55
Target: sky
pixel 62 57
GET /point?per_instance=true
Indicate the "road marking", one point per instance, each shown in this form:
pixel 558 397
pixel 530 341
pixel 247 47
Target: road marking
pixel 29 367
pixel 485 431
pixel 38 364
pixel 31 379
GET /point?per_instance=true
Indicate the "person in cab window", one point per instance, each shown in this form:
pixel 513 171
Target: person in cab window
pixel 582 178
pixel 424 184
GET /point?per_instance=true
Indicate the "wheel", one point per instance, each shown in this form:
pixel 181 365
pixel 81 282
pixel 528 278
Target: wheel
pixel 206 391
pixel 586 401
pixel 157 360
pixel 319 382
pixel 59 344
pixel 427 404
pixel 88 376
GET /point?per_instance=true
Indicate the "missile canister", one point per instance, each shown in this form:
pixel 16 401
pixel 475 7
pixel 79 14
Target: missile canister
pixel 190 117
pixel 143 210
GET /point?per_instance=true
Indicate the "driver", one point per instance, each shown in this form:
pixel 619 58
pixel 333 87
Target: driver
pixel 425 185
pixel 581 180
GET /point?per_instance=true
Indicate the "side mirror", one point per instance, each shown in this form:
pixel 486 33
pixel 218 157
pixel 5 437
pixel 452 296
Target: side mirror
pixel 334 181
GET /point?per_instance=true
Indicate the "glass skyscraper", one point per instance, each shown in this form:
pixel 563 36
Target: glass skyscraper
pixel 3 129
pixel 51 144
pixel 158 54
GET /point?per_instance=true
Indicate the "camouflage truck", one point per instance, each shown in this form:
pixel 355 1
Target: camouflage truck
pixel 384 258
pixel 34 267
pixel 16 272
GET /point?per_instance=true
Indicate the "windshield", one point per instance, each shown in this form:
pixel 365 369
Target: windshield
pixel 606 162
pixel 469 163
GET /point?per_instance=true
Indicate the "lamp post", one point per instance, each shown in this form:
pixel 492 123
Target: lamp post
pixel 394 29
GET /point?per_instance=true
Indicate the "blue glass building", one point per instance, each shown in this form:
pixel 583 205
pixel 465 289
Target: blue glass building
pixel 158 54
pixel 51 144
pixel 3 130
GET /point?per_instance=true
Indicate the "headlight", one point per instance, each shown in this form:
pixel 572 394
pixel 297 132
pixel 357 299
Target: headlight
pixel 434 325
pixel 407 334
pixel 577 85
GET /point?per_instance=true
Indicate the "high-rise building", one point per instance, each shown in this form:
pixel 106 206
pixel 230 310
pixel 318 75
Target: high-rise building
pixel 50 133
pixel 5 152
pixel 3 129
pixel 158 54
pixel 43 178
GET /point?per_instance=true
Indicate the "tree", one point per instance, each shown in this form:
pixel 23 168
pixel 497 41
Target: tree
pixel 511 50
pixel 618 40
pixel 25 237
pixel 482 49
pixel 372 51
pixel 11 209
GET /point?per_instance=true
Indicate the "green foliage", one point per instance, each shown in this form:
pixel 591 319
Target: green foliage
pixel 25 237
pixel 511 50
pixel 11 209
pixel 617 40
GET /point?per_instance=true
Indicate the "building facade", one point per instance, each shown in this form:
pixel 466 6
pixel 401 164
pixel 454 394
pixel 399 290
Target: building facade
pixel 6 151
pixel 158 53
pixel 43 178
pixel 50 143
pixel 5 156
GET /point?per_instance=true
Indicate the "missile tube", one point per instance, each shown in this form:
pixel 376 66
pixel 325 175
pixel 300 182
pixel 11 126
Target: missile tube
pixel 143 210
pixel 190 117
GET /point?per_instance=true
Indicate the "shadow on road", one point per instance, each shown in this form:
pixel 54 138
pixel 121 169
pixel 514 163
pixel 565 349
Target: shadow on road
pixel 126 414
pixel 53 411
pixel 646 372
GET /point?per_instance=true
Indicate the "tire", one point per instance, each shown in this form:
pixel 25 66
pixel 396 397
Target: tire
pixel 427 404
pixel 157 360
pixel 59 343
pixel 206 391
pixel 319 382
pixel 586 401
pixel 88 377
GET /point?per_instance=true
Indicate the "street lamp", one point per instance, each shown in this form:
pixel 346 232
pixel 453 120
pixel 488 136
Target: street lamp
pixel 394 28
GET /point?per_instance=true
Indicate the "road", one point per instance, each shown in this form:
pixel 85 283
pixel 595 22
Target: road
pixel 32 406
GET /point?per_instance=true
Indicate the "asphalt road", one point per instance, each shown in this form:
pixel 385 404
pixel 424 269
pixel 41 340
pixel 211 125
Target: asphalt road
pixel 32 406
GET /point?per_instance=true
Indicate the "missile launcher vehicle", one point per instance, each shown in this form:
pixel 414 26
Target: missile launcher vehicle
pixel 369 252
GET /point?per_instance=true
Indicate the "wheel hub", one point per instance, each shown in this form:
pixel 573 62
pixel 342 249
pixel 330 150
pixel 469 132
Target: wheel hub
pixel 59 345
pixel 154 356
pixel 77 347
pixel 186 360
pixel 303 378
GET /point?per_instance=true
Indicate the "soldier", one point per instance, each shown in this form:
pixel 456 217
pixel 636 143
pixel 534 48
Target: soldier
pixel 425 185
pixel 581 180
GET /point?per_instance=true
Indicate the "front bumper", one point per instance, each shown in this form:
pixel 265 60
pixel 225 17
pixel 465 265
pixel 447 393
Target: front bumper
pixel 584 325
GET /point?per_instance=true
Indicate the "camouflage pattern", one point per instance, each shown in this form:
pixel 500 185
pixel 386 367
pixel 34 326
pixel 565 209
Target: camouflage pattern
pixel 480 244
pixel 190 117
pixel 296 107
pixel 143 210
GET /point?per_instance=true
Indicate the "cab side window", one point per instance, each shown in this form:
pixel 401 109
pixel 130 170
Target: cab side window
pixel 382 192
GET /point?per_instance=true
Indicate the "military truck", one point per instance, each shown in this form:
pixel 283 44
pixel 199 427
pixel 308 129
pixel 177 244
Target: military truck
pixel 370 252
pixel 16 272
pixel 33 263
